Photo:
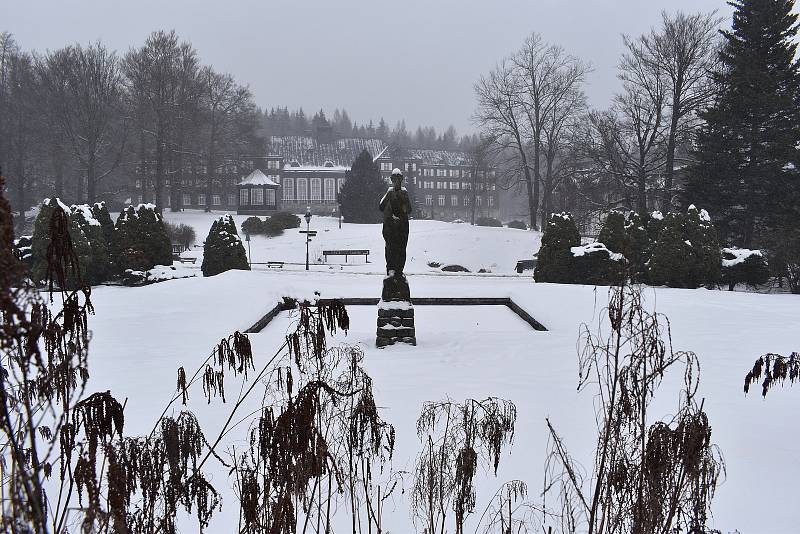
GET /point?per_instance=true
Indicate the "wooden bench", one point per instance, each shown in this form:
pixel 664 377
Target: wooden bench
pixel 525 265
pixel 346 253
pixel 275 265
pixel 186 260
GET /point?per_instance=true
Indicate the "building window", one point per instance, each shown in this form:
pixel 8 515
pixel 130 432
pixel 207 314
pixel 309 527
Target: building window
pixel 454 200
pixel 465 185
pixel 273 164
pixel 330 189
pixel 441 200
pixel 216 200
pixel 429 200
pixel 257 196
pixel 288 189
pixel 386 165
pixel 466 201
pixel 271 197
pixel 140 199
pixel 413 166
pixel 316 185
pixel 302 189
pixel 478 200
pixel 201 199
pixel 187 199
pixel 491 202
pixel 231 199
pixel 467 174
pixel 339 185
pixel 244 197
pixel 138 184
pixel 441 172
pixel 454 185
pixel 275 178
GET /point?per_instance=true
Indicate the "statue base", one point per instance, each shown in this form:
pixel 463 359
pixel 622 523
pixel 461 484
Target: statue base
pixel 395 313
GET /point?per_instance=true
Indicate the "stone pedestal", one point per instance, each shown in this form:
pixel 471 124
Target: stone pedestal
pixel 395 313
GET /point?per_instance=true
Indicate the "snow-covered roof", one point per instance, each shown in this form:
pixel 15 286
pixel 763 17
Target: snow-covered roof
pixel 308 151
pixel 258 178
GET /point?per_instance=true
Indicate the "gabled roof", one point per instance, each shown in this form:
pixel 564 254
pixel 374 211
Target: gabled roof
pixel 257 178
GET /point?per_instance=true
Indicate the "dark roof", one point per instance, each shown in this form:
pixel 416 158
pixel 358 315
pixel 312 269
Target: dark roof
pixel 307 151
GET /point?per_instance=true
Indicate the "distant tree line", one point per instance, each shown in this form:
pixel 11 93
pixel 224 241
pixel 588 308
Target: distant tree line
pixel 281 121
pixel 76 121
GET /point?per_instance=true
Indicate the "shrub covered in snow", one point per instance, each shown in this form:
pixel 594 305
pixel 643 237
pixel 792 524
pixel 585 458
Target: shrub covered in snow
pixel 41 242
pixel 613 234
pixel 455 269
pixel 258 226
pixel 554 256
pixel 159 273
pixel 98 268
pixel 223 249
pixel 519 225
pixel 101 213
pixel 488 221
pixel 140 239
pixel 686 253
pixel 595 264
pixel 638 245
pixel 744 266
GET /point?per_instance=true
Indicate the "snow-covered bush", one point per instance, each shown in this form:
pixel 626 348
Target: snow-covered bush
pixel 488 221
pixel 453 268
pixel 41 242
pixel 284 220
pixel 686 253
pixel 223 249
pixel 612 234
pixel 140 239
pixel 744 266
pixel 595 264
pixel 519 225
pixel 258 226
pixel 98 268
pixel 159 273
pixel 554 256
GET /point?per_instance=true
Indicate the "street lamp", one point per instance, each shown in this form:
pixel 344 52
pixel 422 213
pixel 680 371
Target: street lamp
pixel 308 234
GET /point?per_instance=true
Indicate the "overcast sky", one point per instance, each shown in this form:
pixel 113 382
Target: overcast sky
pixel 412 59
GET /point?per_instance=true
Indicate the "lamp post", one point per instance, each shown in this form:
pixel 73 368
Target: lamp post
pixel 308 235
pixel 247 238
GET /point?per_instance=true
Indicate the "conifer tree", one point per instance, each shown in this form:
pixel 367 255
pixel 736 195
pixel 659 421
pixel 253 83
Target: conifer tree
pixel 612 234
pixel 362 191
pixel 140 239
pixel 41 242
pixel 223 249
pixel 746 158
pixel 97 267
pixel 554 259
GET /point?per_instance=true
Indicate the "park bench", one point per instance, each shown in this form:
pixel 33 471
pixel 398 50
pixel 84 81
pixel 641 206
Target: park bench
pixel 275 265
pixel 186 260
pixel 346 253
pixel 525 265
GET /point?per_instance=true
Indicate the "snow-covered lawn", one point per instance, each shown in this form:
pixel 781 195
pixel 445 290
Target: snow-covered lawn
pixel 142 335
pixel 474 247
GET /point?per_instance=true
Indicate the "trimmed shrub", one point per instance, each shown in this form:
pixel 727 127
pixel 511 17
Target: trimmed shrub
pixel 554 256
pixel 223 249
pixel 285 220
pixel 595 264
pixel 41 242
pixel 257 226
pixel 743 266
pixel 103 216
pixel 488 221
pixel 613 234
pixel 638 245
pixel 140 239
pixel 98 268
pixel 686 253
pixel 181 234
pixel 519 225
pixel 434 264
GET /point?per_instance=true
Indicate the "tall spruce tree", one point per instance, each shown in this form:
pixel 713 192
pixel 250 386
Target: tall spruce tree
pixel 746 171
pixel 362 191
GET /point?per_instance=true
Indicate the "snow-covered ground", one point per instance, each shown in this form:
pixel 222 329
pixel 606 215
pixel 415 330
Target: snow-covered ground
pixel 142 335
pixel 474 247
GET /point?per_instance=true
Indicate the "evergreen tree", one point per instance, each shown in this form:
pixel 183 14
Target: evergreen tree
pixel 612 234
pixel 140 239
pixel 638 244
pixel 746 157
pixel 362 191
pixel 223 249
pixel 554 259
pixel 97 268
pixel 41 242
